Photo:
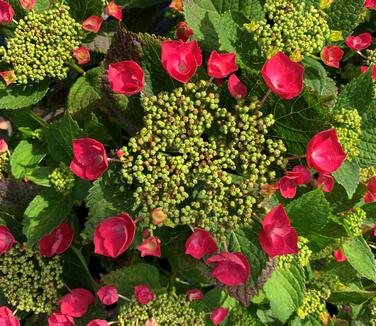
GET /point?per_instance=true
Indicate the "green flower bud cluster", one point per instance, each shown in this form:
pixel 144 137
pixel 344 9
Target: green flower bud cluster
pixel 367 173
pixel 165 310
pixel 373 312
pixel 371 57
pixel 325 283
pixel 62 179
pixel 42 45
pixel 201 163
pixel 30 282
pixel 240 316
pixel 311 304
pixel 348 124
pixel 303 256
pixel 327 252
pixel 352 221
pixel 4 164
pixel 290 25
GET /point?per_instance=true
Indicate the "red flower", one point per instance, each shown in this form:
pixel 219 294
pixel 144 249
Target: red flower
pixel 3 146
pixel 27 4
pixel 370 195
pixel 177 5
pixel 98 322
pixel 6 12
pixel 150 247
pixel 288 183
pixel 82 55
pixel 7 318
pixel 90 159
pixel 6 239
pixel 278 237
pixel 114 235
pixel 144 294
pixel 194 294
pixel 59 319
pixel 56 242
pixel 370 4
pixel 327 180
pixel 374 230
pixel 113 10
pixel 108 295
pixel 231 269
pixel 126 77
pixel 360 42
pixel 92 24
pixel 324 152
pixel 363 69
pixel 76 303
pixel 183 31
pixel 200 243
pixel 283 76
pixel 221 65
pixel 236 88
pixel 304 172
pixel 181 59
pixel 339 256
pixel 218 315
pixel 9 77
pixel 331 55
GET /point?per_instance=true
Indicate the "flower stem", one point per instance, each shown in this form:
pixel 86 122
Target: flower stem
pixel 361 54
pixel 225 245
pixel 15 21
pixel 124 298
pixel 115 160
pixel 76 67
pixel 298 157
pixel 262 102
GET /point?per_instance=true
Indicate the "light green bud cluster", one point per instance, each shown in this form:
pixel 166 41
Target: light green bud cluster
pixel 62 179
pixel 371 57
pixel 373 312
pixel 201 163
pixel 42 45
pixel 4 164
pixel 289 26
pixel 325 283
pixel 303 256
pixel 327 252
pixel 240 316
pixel 30 282
pixel 352 221
pixel 367 173
pixel 348 124
pixel 165 310
pixel 311 304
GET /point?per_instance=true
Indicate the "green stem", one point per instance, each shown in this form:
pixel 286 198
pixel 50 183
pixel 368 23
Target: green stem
pixel 76 67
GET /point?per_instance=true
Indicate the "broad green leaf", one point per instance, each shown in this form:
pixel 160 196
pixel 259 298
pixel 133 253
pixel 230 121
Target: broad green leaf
pixel 25 157
pixel 348 176
pixel 24 118
pixel 314 75
pixel 82 9
pixel 21 96
pixel 126 278
pixel 142 3
pixel 44 213
pixel 370 210
pixel 39 176
pixel 304 218
pixel 349 295
pixel 252 9
pixel 59 138
pixel 41 5
pixel 367 144
pixel 285 290
pixel 360 256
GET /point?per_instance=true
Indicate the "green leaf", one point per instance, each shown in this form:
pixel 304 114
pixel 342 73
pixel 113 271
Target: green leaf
pixel 350 295
pixel 44 213
pixel 360 256
pixel 24 118
pixel 305 219
pixel 348 176
pixel 59 139
pixel 82 9
pixel 370 210
pixel 367 144
pixel 25 157
pixel 285 290
pixel 143 3
pixel 41 6
pixel 39 176
pixel 20 96
pixel 252 9
pixel 314 75
pixel 126 278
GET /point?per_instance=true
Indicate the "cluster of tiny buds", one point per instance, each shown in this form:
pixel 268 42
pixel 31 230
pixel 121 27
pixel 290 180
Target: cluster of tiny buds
pixel 352 221
pixel 62 179
pixel 302 258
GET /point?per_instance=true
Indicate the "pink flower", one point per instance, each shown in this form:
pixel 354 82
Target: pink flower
pixel 327 180
pixel 82 55
pixel 278 237
pixel 27 4
pixel 113 10
pixel 370 4
pixel 6 239
pixel 120 154
pixel 7 318
pixel 56 242
pixel 92 24
pixel 339 256
pixel 59 319
pixel 9 77
pixel 76 303
pixel 177 5
pixel 194 294
pixel 151 322
pixel 126 77
pixel 363 69
pixel 3 146
pixel 307 178
pixel 370 195
pixel 108 295
pixel 324 152
pixel 231 269
pixel 218 315
pixel 374 230
pixel 331 55
pixel 288 183
pixel 183 31
pixel 98 322
pixel 150 247
pixel 90 159
pixel 144 294
pixel 114 235
pixel 181 59
pixel 158 216
pixel 360 42
pixel 236 88
pixel 283 76
pixel 6 12
pixel 200 243
pixel 221 65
